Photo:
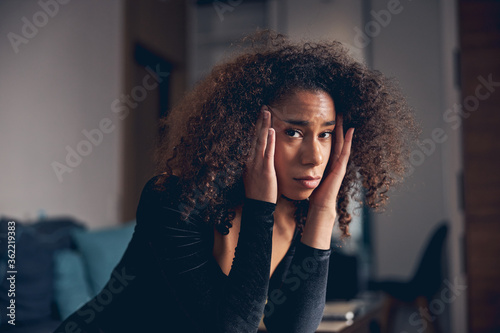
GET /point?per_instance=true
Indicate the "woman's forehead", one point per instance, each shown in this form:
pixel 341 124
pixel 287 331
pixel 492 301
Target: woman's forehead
pixel 305 106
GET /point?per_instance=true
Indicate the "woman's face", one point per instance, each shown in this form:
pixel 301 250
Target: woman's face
pixel 304 123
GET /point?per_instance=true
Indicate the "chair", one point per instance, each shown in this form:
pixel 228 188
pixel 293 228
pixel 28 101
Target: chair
pixel 420 289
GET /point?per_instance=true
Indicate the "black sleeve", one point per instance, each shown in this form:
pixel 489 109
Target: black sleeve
pixel 298 305
pixel 218 303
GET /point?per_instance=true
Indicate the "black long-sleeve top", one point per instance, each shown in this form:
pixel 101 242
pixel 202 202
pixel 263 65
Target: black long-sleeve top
pixel 169 281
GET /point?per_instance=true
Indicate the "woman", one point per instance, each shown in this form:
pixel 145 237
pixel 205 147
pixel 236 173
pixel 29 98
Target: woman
pixel 259 161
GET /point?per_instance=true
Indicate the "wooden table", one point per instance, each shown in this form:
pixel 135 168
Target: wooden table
pixel 370 309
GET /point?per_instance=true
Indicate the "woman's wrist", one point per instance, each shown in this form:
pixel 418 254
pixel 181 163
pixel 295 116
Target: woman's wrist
pixel 318 228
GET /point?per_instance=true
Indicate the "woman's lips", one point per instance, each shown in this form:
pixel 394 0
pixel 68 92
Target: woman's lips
pixel 309 183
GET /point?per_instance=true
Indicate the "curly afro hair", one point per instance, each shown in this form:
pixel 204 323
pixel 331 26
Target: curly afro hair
pixel 208 136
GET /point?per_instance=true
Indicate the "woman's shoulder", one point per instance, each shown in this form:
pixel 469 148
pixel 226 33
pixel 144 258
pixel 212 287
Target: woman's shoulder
pixel 161 205
pixel 162 184
pixel 159 192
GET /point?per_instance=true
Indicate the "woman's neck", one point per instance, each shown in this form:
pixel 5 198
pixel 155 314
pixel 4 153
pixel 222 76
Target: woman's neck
pixel 284 214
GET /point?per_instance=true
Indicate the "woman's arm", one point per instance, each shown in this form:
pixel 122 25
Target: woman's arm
pixel 299 304
pixel 214 301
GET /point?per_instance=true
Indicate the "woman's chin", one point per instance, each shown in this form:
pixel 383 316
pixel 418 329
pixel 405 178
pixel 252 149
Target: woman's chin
pixel 297 196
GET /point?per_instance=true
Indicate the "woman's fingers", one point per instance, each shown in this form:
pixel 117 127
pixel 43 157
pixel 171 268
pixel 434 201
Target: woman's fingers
pixel 339 138
pixel 346 149
pixel 339 167
pixel 258 130
pixel 260 176
pixel 263 145
pixel 342 147
pixel 262 141
pixel 271 144
pixel 338 143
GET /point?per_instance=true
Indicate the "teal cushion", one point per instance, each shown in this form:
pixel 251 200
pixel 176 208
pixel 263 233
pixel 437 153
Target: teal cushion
pixel 101 251
pixel 71 289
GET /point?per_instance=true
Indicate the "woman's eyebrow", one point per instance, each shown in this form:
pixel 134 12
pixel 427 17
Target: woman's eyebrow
pixel 305 122
pixel 298 122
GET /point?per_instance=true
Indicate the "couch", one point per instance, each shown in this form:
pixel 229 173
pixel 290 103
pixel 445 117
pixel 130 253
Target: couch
pixel 60 264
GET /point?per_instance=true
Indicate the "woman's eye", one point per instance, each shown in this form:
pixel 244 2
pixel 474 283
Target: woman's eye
pixel 329 134
pixel 291 132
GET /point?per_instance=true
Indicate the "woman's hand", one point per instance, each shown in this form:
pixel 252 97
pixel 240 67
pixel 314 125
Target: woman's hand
pixel 324 197
pixel 259 177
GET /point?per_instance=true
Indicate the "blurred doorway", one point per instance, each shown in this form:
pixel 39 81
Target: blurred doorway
pixel 155 79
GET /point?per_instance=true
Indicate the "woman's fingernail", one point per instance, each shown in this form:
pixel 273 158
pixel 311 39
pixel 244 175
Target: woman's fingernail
pixel 266 114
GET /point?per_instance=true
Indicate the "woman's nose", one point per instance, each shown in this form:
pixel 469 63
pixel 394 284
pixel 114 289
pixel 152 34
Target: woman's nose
pixel 312 153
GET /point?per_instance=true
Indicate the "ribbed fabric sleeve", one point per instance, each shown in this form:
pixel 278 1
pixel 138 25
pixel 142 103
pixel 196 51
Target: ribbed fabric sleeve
pixel 297 305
